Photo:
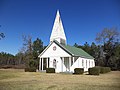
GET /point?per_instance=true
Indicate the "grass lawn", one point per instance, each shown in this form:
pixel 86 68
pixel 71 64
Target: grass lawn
pixel 16 79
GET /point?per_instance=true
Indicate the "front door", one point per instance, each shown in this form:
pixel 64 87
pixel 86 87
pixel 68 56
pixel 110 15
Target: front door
pixel 66 63
pixel 55 63
pixel 44 64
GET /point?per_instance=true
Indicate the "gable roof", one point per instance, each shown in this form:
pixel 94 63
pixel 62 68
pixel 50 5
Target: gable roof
pixel 73 51
pixel 56 42
pixel 78 52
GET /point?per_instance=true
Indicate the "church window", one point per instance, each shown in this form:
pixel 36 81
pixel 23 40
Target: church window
pixel 54 48
pixel 82 63
pixel 62 41
pixel 92 63
pixel 72 61
pixel 89 63
pixel 86 63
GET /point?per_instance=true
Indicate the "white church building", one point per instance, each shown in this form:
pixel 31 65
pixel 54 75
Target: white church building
pixel 62 57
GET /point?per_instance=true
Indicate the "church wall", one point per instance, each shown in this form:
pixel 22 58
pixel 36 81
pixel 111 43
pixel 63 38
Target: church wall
pixel 58 63
pixel 76 64
pixel 83 63
pixel 55 51
pixel 60 67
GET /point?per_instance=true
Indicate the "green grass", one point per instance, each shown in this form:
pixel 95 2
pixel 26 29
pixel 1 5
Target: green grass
pixel 15 79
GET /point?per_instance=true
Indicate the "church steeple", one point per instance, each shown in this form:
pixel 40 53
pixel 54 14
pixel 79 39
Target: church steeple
pixel 58 30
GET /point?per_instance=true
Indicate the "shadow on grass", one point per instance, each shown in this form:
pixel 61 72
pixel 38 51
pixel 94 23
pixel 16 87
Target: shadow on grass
pixel 52 87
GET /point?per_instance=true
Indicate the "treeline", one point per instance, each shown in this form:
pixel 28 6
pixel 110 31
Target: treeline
pixel 7 59
pixel 106 52
pixel 26 57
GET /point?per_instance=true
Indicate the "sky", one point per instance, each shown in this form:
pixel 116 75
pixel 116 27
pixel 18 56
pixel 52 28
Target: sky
pixel 82 20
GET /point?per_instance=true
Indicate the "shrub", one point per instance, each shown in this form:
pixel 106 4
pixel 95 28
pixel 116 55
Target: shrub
pixel 108 69
pixel 7 66
pixel 50 70
pixel 105 69
pixel 78 71
pixel 30 69
pixel 31 66
pixel 32 63
pixel 94 71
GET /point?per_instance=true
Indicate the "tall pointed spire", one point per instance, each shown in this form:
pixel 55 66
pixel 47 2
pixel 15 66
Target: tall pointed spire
pixel 58 30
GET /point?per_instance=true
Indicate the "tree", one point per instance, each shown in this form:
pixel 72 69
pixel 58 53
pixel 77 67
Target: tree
pixel 37 47
pixel 108 39
pixel 2 35
pixel 6 59
pixel 30 51
pixel 27 44
pixel 94 51
pixel 76 45
pixel 26 52
pixel 20 58
pixel 87 48
pixel 108 36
